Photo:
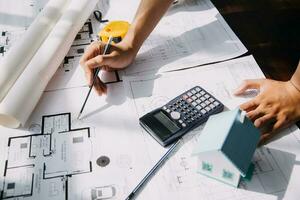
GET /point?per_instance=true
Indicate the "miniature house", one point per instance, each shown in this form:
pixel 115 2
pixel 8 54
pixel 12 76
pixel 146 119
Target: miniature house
pixel 226 146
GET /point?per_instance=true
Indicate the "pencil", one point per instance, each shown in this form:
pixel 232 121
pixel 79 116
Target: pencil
pixel 106 48
pixel 152 171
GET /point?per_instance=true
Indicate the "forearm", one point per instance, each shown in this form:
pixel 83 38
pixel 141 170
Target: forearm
pixel 148 15
pixel 295 80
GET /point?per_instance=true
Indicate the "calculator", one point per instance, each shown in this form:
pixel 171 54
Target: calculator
pixel 180 115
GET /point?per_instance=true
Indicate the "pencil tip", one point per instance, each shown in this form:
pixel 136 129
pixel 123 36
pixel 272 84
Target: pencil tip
pixel 78 117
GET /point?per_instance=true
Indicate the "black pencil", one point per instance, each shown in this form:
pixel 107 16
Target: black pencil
pixel 95 77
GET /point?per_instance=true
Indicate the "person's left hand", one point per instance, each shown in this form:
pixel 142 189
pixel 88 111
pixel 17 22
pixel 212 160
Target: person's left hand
pixel 275 107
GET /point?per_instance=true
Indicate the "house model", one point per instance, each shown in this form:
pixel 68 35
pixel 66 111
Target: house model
pixel 226 147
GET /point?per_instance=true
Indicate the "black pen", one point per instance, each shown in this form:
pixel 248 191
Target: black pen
pixel 152 171
pixel 106 48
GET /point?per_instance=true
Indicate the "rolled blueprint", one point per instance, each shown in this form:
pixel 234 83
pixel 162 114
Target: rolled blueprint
pixel 22 98
pixel 21 53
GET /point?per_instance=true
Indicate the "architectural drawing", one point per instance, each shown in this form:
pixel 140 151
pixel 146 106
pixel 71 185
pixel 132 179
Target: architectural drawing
pixel 272 166
pixel 39 166
pixel 70 74
pixel 191 33
pixel 7 38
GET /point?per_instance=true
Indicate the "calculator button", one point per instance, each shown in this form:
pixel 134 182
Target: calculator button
pixel 189 94
pixel 168 110
pixel 216 103
pixel 183 125
pixel 207 109
pixel 207 102
pixel 189 100
pixel 198 95
pixel 203 112
pixel 194 104
pixel 197 89
pixel 165 108
pixel 180 121
pixel 175 115
pixel 203 105
pixel 211 100
pixel 193 91
pixel 194 97
pixel 202 92
pixel 206 96
pixel 198 101
pixel 202 99
pixel 185 96
pixel 212 106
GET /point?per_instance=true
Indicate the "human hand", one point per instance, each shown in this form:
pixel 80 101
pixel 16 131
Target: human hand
pixel 120 56
pixel 275 107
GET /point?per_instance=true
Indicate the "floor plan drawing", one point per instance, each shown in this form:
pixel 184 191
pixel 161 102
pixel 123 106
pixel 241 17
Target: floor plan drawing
pixel 70 74
pixel 7 38
pixel 39 166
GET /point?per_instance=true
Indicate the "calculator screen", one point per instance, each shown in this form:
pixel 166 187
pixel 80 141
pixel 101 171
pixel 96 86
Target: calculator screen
pixel 163 119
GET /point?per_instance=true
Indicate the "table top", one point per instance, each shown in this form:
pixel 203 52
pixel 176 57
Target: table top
pixel 269 29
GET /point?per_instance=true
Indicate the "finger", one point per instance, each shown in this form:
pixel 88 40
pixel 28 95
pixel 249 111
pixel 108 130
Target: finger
pixel 99 61
pixel 261 121
pixel 278 125
pixel 250 105
pixel 258 112
pixel 89 74
pixel 270 134
pixel 100 87
pixel 93 50
pixel 248 84
pixel 264 138
pixel 108 69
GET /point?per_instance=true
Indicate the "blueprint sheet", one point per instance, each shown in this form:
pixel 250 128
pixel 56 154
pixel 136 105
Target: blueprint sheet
pixel 106 153
pixel 274 163
pixel 17 15
pixel 191 33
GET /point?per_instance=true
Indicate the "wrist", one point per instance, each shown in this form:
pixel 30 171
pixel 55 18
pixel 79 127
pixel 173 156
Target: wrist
pixel 294 96
pixel 295 83
pixel 132 40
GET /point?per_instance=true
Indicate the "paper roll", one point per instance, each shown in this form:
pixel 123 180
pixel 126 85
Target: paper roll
pixel 21 53
pixel 21 99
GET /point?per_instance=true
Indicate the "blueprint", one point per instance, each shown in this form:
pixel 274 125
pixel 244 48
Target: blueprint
pixel 38 166
pixel 106 153
pixel 273 163
pixel 191 33
pixel 56 156
pixel 69 73
pixel 15 18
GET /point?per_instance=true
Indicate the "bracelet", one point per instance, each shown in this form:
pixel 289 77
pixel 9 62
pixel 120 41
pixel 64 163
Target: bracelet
pixel 294 85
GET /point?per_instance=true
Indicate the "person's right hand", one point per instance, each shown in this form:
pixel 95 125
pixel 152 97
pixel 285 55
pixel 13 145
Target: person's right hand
pixel 275 107
pixel 120 56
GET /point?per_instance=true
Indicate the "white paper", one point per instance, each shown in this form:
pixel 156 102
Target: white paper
pixel 20 55
pixel 274 164
pixel 25 93
pixel 191 33
pixel 116 134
